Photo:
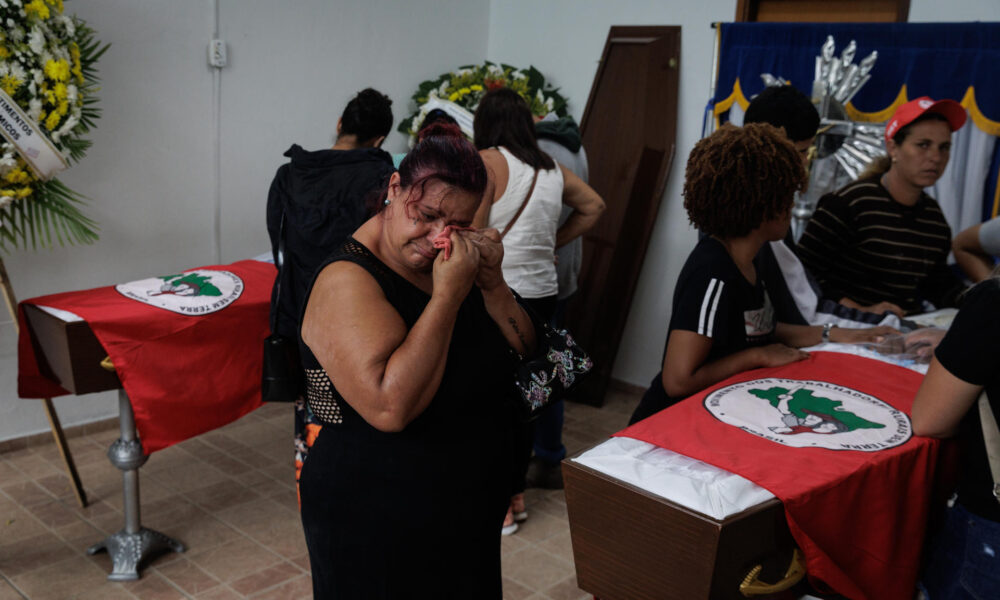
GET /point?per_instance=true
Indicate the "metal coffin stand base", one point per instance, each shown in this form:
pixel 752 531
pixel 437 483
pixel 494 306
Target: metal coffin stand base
pixel 629 544
pixel 132 545
pixel 70 354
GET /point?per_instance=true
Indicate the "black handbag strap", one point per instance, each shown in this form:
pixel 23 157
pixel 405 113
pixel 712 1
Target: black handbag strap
pixel 523 204
pixel 279 262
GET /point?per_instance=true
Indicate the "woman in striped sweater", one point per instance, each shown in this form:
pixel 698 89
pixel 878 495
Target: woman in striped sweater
pixel 881 243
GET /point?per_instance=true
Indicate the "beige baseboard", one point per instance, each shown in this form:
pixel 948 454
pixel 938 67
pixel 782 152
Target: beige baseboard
pixel 41 439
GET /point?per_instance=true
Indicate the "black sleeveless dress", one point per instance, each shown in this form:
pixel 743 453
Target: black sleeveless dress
pixel 413 514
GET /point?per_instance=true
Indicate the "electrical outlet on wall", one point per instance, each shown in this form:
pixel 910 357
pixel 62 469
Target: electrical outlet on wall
pixel 217 53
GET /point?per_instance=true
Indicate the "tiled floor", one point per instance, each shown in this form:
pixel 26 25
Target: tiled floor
pixel 229 496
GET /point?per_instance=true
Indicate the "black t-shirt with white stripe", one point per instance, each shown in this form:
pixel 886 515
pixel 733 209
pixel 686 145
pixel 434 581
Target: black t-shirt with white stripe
pixel 712 298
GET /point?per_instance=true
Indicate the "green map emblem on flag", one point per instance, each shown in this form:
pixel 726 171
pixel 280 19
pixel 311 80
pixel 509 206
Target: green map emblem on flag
pixel 195 292
pixel 810 414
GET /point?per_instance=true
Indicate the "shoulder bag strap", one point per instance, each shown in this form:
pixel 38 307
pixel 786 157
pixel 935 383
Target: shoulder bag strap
pixel 523 204
pixel 991 434
pixel 279 264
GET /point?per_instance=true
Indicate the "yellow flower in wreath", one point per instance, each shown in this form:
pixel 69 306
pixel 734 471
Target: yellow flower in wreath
pixel 53 120
pixel 77 70
pixel 17 176
pixel 9 84
pixel 57 70
pixel 37 8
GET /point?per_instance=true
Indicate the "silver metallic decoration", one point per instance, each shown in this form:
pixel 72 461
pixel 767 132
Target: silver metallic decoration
pixel 844 148
pixel 130 546
pixel 772 81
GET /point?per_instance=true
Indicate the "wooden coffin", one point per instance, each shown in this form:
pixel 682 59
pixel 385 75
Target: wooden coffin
pixel 68 353
pixel 630 544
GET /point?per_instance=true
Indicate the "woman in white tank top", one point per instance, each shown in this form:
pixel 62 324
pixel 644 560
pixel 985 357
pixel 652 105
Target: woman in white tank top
pixel 526 209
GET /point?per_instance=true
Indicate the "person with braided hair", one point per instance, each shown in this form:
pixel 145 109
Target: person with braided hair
pixel 738 189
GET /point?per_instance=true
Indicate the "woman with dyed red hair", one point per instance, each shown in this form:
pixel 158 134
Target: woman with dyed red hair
pixel 417 353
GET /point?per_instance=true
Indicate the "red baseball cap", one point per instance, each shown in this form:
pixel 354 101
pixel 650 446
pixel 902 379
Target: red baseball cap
pixel 907 113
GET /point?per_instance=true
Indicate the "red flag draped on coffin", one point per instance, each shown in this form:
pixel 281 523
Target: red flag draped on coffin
pixel 830 437
pixel 186 347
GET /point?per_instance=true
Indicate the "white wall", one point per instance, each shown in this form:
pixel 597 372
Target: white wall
pixel 151 172
pixel 292 72
pixel 564 39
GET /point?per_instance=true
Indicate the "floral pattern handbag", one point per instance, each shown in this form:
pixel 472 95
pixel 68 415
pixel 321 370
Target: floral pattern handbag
pixel 553 371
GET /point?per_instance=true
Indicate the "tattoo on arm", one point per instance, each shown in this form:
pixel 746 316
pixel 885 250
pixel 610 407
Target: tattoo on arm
pixel 517 330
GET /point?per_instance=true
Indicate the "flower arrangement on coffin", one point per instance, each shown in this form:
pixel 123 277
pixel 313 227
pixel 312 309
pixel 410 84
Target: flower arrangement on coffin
pixel 47 68
pixel 460 91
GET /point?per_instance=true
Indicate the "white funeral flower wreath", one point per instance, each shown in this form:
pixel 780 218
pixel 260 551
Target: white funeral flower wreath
pixel 47 69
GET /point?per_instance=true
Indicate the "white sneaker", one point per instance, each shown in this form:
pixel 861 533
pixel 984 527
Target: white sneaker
pixel 509 525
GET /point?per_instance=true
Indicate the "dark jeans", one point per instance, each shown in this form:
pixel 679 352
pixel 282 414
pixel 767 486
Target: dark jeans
pixel 544 308
pixel 548 444
pixel 964 560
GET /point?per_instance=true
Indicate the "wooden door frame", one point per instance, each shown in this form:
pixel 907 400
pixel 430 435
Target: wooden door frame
pixel 746 10
pixel 626 258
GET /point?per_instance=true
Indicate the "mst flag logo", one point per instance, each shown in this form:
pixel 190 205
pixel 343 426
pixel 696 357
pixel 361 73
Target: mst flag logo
pixel 810 414
pixel 196 292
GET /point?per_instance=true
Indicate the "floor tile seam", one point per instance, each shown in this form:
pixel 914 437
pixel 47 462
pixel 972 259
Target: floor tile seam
pixel 58 463
pixel 228 453
pixel 27 511
pixel 554 513
pixel 126 590
pixel 237 528
pixel 29 476
pixel 85 556
pixel 91 520
pixel 169 582
pixel 514 578
pixel 249 538
pixel 222 586
pixel 182 557
pixel 42 566
pixel 199 460
pixel 275 586
pixel 16 589
pixel 570 578
pixel 211 515
pixel 531 587
pixel 233 480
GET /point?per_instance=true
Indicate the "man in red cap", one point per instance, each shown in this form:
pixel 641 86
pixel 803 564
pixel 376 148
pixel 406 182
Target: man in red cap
pixel 882 238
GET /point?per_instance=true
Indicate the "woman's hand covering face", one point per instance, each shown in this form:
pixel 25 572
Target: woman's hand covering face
pixel 454 275
pixel 490 257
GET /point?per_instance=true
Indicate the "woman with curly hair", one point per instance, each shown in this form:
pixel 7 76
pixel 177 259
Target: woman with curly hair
pixel 738 190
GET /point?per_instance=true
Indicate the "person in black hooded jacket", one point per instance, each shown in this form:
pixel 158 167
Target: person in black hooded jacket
pixel 321 195
pixel 315 202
